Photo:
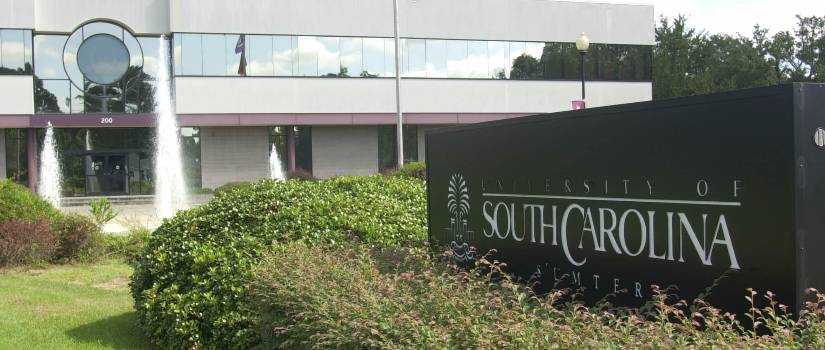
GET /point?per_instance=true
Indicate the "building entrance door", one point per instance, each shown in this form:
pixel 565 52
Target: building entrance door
pixel 107 174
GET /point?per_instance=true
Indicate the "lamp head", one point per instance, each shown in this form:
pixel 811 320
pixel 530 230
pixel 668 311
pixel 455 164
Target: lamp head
pixel 582 43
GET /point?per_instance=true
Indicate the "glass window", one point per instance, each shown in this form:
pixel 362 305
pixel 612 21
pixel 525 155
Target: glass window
pixel 389 57
pixel 151 60
pixel 191 149
pixel 352 57
pixel 48 49
pixel 388 147
pixel 436 58
pixel 457 59
pixel 517 49
pixel 59 99
pixel 191 54
pixel 16 159
pixel 177 53
pixel 284 54
pixel 477 59
pixel 12 49
pixel 308 56
pixel 534 50
pixel 233 60
pixel 214 59
pixel 259 55
pixel 414 57
pixel 329 57
pixel 76 104
pixel 303 148
pixel 373 57
pixel 498 59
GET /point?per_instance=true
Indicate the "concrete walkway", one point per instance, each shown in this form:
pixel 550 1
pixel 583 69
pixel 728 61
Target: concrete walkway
pixel 133 216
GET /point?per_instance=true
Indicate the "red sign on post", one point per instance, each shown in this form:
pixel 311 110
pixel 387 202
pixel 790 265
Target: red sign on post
pixel 578 104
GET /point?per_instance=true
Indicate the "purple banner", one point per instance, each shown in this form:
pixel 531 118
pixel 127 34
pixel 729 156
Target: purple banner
pixel 93 120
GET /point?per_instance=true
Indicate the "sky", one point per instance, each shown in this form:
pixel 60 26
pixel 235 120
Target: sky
pixel 736 16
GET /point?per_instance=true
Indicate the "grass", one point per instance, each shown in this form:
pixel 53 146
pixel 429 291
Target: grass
pixel 69 307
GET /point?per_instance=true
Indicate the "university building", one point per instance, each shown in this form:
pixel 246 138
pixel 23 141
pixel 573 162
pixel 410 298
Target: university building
pixel 313 77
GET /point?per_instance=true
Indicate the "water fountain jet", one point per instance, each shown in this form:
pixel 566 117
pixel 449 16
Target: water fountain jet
pixel 170 186
pixel 49 185
pixel 276 172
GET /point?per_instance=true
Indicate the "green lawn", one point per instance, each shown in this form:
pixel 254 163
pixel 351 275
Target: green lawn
pixel 69 307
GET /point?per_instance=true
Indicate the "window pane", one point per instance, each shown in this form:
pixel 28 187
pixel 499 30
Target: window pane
pixel 374 57
pixel 233 60
pixel 414 57
pixel 329 58
pixel 12 49
pixel 49 52
pixel 534 50
pixel 477 59
pixel 102 27
pixel 76 103
pixel 498 63
pixel 27 46
pixel 517 49
pixel 285 51
pixel 70 58
pixel 177 52
pixel 389 57
pixel 56 98
pixel 259 61
pixel 214 60
pixel 151 61
pixel 308 56
pixel 351 57
pixel 436 58
pixel 457 59
pixel 192 58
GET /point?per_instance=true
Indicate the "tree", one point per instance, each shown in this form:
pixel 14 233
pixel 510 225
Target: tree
pixel 795 57
pixel 526 67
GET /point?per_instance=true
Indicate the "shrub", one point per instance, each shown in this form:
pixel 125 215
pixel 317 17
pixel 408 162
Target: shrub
pixel 231 186
pixel 190 284
pixel 18 202
pixel 415 169
pixel 102 211
pixel 26 242
pixel 332 298
pixel 78 239
pixel 129 246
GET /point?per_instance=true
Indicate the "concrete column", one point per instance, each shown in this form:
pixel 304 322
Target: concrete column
pixel 290 148
pixel 31 153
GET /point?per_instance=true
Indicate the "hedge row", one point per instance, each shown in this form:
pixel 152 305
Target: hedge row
pixel 191 283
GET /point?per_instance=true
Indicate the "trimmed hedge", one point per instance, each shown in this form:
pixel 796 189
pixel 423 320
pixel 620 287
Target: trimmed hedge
pixel 417 170
pixel 191 283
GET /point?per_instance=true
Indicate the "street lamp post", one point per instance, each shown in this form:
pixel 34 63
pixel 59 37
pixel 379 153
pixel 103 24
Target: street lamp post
pixel 582 44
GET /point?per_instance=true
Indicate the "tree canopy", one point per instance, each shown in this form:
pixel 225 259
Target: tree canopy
pixel 688 61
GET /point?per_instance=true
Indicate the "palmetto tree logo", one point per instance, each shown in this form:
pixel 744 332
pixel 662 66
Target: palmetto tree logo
pixel 458 204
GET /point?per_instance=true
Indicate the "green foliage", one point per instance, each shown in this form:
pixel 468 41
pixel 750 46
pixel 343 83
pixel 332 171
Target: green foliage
pixel 202 190
pixel 190 285
pixel 301 174
pixel 688 61
pixel 129 246
pixel 416 170
pixel 18 202
pixel 78 239
pixel 230 186
pixel 349 298
pixel 102 211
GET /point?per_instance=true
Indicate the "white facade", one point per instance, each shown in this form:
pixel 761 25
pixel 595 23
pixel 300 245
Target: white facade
pixel 345 114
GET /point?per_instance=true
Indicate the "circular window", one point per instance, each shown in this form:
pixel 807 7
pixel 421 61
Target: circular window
pixel 103 59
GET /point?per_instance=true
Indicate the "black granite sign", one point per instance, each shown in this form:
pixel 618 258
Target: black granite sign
pixel 727 188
